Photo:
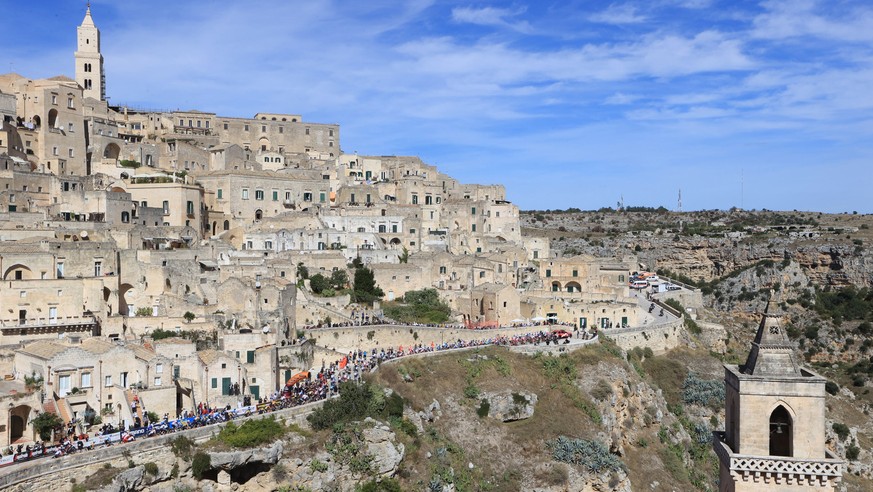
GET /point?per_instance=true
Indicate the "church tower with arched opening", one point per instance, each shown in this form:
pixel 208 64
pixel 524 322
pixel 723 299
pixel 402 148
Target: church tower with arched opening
pixel 89 60
pixel 774 438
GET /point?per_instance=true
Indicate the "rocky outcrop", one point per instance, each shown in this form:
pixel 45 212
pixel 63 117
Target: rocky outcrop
pixel 508 406
pixel 236 459
pixel 380 443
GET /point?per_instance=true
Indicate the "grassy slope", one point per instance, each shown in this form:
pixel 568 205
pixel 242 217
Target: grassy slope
pixel 513 456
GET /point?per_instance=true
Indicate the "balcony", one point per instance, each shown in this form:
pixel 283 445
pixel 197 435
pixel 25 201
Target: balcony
pixel 778 469
pixel 31 326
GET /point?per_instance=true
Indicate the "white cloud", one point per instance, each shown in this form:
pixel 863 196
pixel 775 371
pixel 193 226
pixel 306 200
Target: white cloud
pixel 618 14
pixel 491 16
pixel 797 18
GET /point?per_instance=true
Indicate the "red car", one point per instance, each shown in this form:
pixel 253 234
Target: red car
pixel 562 334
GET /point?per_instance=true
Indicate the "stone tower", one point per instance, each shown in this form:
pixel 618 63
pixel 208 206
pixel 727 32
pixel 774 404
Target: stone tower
pixel 775 420
pixel 89 61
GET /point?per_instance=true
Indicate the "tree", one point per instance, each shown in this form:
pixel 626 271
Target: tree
pixel 45 423
pixel 318 283
pixel 189 316
pixel 365 286
pixel 339 279
pixel 302 271
pixel 404 257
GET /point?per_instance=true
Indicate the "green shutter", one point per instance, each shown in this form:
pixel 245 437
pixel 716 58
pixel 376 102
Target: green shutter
pixel 250 356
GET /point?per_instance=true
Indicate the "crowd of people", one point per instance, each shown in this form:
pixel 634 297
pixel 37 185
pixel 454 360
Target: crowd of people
pixel 314 387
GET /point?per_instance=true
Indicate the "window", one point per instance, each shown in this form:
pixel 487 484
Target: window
pixel 442 270
pixel 190 207
pixel 322 197
pixel 412 231
pixel 473 211
pixel 181 122
pixel 307 197
pixel 263 128
pixel 220 193
pixel 70 152
pixel 575 273
pixel 214 383
pixel 268 244
pixel 474 228
pixel 482 274
pixel 98 268
pixel 259 194
pixel 70 128
pixel 250 357
pixel 107 381
pixel 54 99
pixel 157 380
pixel 225 126
pixel 245 193
pixel 548 273
pixel 159 368
pixel 428 200
pixel 54 151
pixel 70 103
pixel 393 227
pixel 246 128
pixel 86 380
pixel 414 199
pixel 275 195
pixel 307 131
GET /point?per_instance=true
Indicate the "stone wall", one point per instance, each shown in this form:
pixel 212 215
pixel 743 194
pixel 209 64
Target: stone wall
pixel 659 338
pixel 387 336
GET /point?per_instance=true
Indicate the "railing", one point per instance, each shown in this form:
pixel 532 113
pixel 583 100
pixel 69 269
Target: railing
pixel 16 324
pixel 746 466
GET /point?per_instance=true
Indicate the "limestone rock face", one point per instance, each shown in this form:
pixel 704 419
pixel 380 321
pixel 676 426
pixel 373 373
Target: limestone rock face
pixel 508 406
pixel 127 481
pixel 235 459
pixel 432 412
pixel 387 455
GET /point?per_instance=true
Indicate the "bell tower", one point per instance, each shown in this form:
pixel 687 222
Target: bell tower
pixel 774 438
pixel 89 61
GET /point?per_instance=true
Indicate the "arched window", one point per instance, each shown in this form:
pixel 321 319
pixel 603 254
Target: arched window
pixel 781 432
pixel 259 214
pixel 125 217
pixel 226 225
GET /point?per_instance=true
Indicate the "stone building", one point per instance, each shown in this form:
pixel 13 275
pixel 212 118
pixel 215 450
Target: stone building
pixel 774 438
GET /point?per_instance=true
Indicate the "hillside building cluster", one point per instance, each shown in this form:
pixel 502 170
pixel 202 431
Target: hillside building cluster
pixel 150 261
pixel 119 223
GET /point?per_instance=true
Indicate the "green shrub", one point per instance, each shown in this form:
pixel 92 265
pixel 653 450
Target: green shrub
pixel 201 464
pixel 832 387
pixel 703 392
pixel 383 485
pixel 484 408
pixel 151 468
pixel 842 430
pixel 44 423
pixel 471 391
pixel 356 402
pixel 182 447
pixel 593 455
pixel 317 466
pixel 852 452
pixel 252 433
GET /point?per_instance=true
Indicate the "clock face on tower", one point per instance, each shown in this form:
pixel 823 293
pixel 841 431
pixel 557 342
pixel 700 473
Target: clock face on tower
pixel 774 330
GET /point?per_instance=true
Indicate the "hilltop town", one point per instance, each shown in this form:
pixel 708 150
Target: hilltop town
pixel 160 266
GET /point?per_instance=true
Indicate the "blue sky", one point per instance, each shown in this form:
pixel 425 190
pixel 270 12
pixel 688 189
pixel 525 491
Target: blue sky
pixel 568 103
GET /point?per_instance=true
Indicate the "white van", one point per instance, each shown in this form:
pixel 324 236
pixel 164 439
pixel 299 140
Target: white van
pixel 639 284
